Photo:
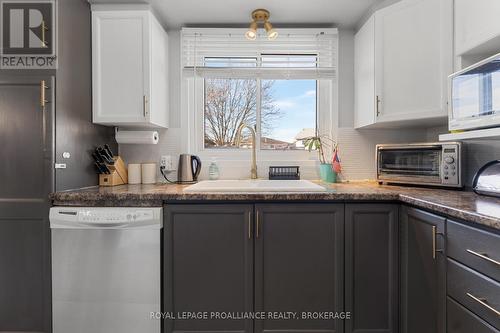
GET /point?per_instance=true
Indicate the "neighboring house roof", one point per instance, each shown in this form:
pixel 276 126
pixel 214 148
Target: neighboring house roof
pixel 305 134
pixel 271 141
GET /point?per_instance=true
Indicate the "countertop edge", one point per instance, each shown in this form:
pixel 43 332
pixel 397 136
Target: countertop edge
pixel 460 214
pixel 90 198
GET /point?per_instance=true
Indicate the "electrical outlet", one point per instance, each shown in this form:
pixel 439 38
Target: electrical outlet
pixel 166 161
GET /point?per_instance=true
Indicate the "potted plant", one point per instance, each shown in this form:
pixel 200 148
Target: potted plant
pixel 327 170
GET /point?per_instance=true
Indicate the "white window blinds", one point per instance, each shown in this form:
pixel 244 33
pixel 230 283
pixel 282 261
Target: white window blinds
pixel 226 53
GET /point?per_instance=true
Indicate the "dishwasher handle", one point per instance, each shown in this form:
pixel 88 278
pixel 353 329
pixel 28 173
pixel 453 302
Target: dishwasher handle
pixel 106 225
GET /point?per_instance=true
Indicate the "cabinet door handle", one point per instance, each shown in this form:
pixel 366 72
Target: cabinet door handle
pixel 377 103
pixel 257 224
pixel 249 226
pixel 484 303
pixel 434 241
pixel 484 256
pixel 145 105
pixel 43 100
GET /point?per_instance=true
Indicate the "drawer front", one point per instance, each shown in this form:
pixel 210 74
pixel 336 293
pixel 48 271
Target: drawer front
pixel 475 248
pixel 461 320
pixel 475 291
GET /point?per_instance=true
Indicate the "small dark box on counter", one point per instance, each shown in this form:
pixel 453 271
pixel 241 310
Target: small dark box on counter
pixel 284 173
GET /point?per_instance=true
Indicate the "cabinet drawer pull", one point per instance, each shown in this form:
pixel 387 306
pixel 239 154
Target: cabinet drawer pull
pixel 257 225
pixel 434 241
pixel 377 103
pixel 145 105
pixel 249 226
pixel 484 303
pixel 484 256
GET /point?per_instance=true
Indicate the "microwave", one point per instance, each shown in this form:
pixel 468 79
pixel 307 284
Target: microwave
pixel 474 96
pixel 431 164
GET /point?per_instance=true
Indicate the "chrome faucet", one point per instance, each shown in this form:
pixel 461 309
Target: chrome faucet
pixel 253 169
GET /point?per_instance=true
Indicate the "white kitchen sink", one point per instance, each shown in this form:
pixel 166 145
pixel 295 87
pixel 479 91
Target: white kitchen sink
pixel 258 185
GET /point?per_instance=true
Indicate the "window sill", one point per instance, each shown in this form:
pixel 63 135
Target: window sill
pixel 262 156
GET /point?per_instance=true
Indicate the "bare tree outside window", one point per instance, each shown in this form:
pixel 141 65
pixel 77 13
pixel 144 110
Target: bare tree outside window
pixel 231 102
pixel 287 107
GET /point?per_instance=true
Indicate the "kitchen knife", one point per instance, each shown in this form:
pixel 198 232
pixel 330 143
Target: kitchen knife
pixel 101 168
pixel 108 154
pixel 97 158
pixel 98 168
pixel 103 155
pixel 105 168
pixel 109 151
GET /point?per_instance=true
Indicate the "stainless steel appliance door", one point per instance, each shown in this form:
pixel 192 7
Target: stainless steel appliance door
pixel 475 95
pixel 105 280
pixel 414 164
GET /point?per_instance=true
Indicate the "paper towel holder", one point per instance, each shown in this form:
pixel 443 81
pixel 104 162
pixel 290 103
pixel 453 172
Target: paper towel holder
pixel 132 129
pixel 155 134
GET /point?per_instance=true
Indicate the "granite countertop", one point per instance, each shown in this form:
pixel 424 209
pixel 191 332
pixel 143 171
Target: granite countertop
pixel 463 205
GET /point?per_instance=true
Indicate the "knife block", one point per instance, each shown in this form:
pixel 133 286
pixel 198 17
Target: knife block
pixel 118 176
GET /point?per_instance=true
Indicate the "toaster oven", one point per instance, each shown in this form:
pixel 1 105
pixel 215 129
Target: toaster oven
pixel 431 164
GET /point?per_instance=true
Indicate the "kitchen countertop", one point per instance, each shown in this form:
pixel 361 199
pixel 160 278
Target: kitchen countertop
pixel 463 205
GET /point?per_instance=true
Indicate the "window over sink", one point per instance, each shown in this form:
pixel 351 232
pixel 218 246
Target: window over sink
pixel 281 111
pixel 281 88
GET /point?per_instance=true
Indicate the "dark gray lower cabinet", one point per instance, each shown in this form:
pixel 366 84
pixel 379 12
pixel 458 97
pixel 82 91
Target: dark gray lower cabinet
pixel 423 268
pixel 461 320
pixel 371 264
pixel 304 263
pixel 299 254
pixel 208 265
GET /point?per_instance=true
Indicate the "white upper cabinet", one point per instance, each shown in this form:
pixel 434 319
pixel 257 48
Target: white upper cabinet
pixel 130 69
pixel 403 55
pixel 364 74
pixel 477 24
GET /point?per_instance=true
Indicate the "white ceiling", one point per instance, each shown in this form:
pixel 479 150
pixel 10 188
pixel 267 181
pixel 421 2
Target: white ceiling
pixel 178 13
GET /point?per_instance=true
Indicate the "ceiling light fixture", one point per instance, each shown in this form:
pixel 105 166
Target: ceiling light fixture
pixel 261 16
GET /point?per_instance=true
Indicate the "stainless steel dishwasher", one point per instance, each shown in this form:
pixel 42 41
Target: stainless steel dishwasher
pixel 106 269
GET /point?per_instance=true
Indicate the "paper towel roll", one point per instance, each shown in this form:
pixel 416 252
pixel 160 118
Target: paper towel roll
pixel 137 137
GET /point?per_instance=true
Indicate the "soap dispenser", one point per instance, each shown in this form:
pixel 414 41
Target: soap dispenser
pixel 213 170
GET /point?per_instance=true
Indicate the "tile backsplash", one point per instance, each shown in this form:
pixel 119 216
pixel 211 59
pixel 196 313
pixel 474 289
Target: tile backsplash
pixel 357 153
pixel 477 152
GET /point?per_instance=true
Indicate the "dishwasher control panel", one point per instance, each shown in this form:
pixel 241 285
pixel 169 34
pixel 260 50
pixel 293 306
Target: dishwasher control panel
pixel 117 216
pixel 105 217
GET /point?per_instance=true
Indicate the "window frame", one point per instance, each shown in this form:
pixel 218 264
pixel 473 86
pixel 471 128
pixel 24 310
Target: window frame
pixel 192 100
pixel 258 120
pixel 197 145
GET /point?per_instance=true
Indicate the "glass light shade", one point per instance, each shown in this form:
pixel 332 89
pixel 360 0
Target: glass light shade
pixel 251 34
pixel 271 33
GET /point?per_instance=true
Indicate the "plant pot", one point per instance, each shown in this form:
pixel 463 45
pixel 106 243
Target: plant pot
pixel 326 173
